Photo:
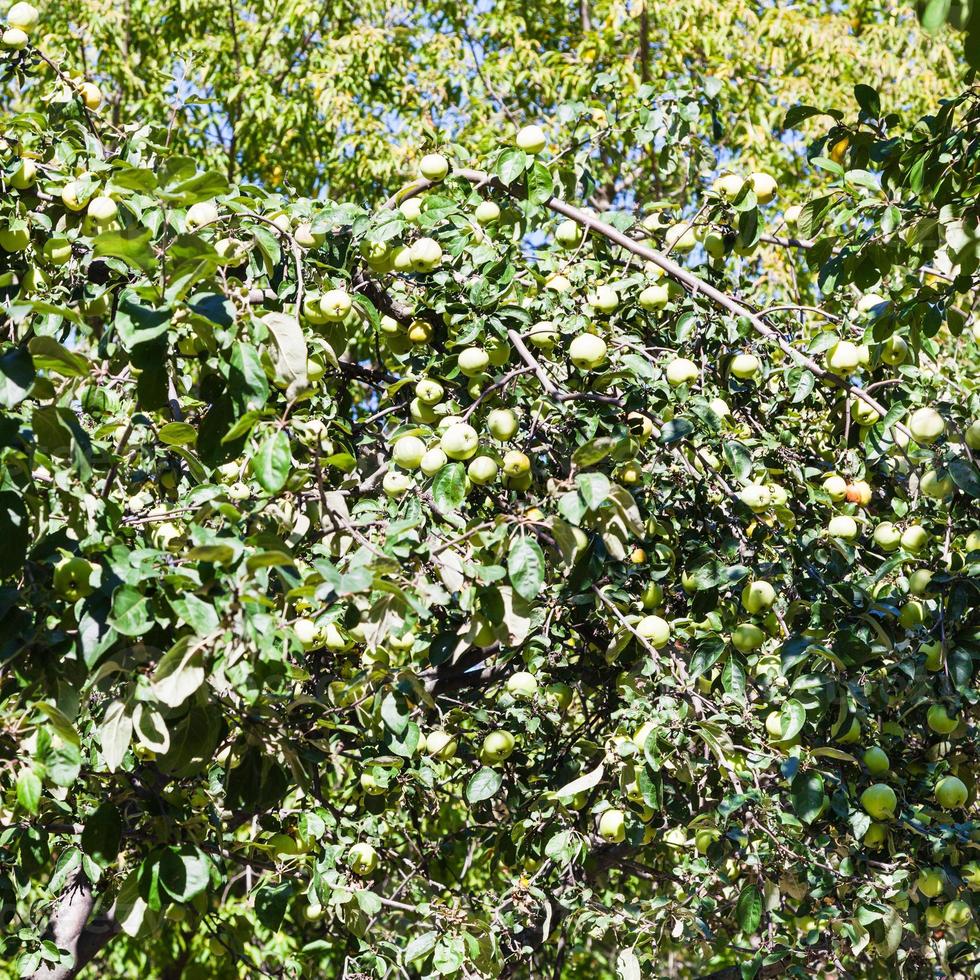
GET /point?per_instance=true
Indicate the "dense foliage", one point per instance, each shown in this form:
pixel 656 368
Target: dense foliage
pixel 473 583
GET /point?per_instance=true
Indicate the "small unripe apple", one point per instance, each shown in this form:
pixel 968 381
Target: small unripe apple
pixel 957 913
pixel 487 212
pixel 335 304
pixel 926 426
pixel 680 371
pixel 473 361
pixel 844 527
pixel 844 357
pixel 972 435
pixel 543 335
pixel 758 597
pixel 612 826
pixel 362 859
pixel 913 614
pixel 931 882
pixel 605 299
pixel 936 486
pixel 25 174
pixel 973 541
pixel 408 452
pixel 73 578
pixel 434 167
pixel 200 214
pixel 792 215
pixel 433 461
pixel 745 366
pixel 411 210
pixel 765 187
pixel 887 536
pixel 560 694
pixel 951 793
pixel 502 424
pixel 522 684
pixel 879 801
pixel 654 297
pixel 14 239
pixel 419 332
pixel 558 283
pixel 680 237
pixel 920 581
pixel 915 538
pixel 23 16
pixel 497 747
pixel 654 630
pixel 306 238
pixel 569 234
pixel 426 255
pixel 836 487
pixel 715 244
pixel 875 836
pixel 91 95
pixel 102 209
pixel 747 637
pixel 728 186
pixel 14 39
pixel 531 139
pixel 876 760
pixel 756 496
pixel 863 413
pixel 430 392
pixel 516 463
pixel 935 654
pixel 396 484
pixel 482 470
pixel 894 350
pixel 938 719
pixel 587 351
pixel 440 745
pixel 460 441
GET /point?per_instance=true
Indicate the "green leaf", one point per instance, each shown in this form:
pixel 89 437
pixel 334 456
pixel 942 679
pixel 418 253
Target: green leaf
pixel 675 430
pixel 179 674
pixel 137 324
pixel 792 718
pixel 591 452
pixel 511 164
pixel 272 463
pixel 540 186
pixel 419 946
pixel 934 15
pixel 526 567
pixel 49 355
pixel 115 733
pixel 132 245
pixel 483 784
pixel 130 615
pixel 102 834
pixel 292 352
pixel 177 434
pixel 184 872
pixel 15 532
pixel 594 488
pixel 748 909
pixel 29 790
pixel 738 459
pixel 580 784
pixel 271 902
pixel 807 791
pixel 449 487
pixel 965 476
pixel 16 376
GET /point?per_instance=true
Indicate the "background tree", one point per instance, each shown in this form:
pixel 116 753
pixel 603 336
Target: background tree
pixel 563 563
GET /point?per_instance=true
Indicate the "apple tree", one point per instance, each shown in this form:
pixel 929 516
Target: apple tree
pixel 476 583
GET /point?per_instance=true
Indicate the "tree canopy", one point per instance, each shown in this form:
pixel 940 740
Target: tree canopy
pixel 489 493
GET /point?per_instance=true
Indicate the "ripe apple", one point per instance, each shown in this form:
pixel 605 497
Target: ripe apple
pixel 434 167
pixel 487 212
pixel 502 424
pixel 858 492
pixel 935 486
pixel 879 801
pixel 756 496
pixel 728 186
pixel 473 361
pixel 426 255
pixel 931 882
pixel 612 826
pixel 887 536
pixel 531 139
pixel 433 461
pixel 568 234
pixel 482 470
pixel 758 597
pixel 914 538
pixel 926 426
pixel 894 350
pixel 654 297
pixel 939 720
pixel 419 332
pixel 876 760
pixel 516 463
pixel 91 95
pixel 747 637
pixel 681 371
pixel 844 527
pixel 765 187
pixel 522 684
pixel 951 793
pixel 844 357
pixel 745 366
pixel 680 237
pixel 654 630
pixel 396 484
pixel 587 351
pixel 408 452
pixel 459 441
pixel 440 745
pixel 23 16
pixel 73 578
pixel 362 859
pixel 497 747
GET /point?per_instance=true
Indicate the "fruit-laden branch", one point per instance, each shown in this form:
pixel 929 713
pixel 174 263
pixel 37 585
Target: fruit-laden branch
pixel 691 282
pixel 69 929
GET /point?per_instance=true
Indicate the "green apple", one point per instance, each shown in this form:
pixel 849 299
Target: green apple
pixel 654 630
pixel 681 371
pixel 938 719
pixel 728 186
pixel 56 251
pixel 411 209
pixel 408 452
pixel 957 913
pixel 876 760
pixel 516 463
pixel 307 632
pixel 605 299
pixel 14 239
pixel 73 578
pixel 23 16
pixel 935 486
pixel 844 357
pixel 433 461
pixel 714 244
pixel 875 836
pixel 502 424
pixel 920 581
pixel 335 304
pixel 543 335
pixel 587 351
pixel 440 745
pixel 926 426
pixel 764 186
pixel 72 195
pixel 887 536
pixel 973 541
pixel 426 255
pixel 858 492
pixel 497 747
pixel 852 734
pixel 487 212
pixel 747 637
pixel 951 793
pixel 894 350
pixel 14 39
pixel 745 366
pixel 935 655
pixel 371 786
pixel 522 684
pixel 102 209
pixel 559 694
pixel 704 838
pixel 376 253
pixel 283 845
pixel 654 297
pixel 863 413
pixel 429 392
pixel 970 873
pixel 972 435
pixel 434 167
pixel 836 487
pixel 25 174
pixel 844 527
pixel 652 596
pixel 931 882
pixel 879 801
pixel 459 441
pixel 915 538
pixel 568 234
pixel 200 214
pixel 913 614
pixel 558 283
pixel 482 470
pixel 680 237
pixel 612 826
pixel 90 94
pixel 531 139
pixel 396 484
pixel 758 597
pixel 756 496
pixel 362 859
pixel 473 361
